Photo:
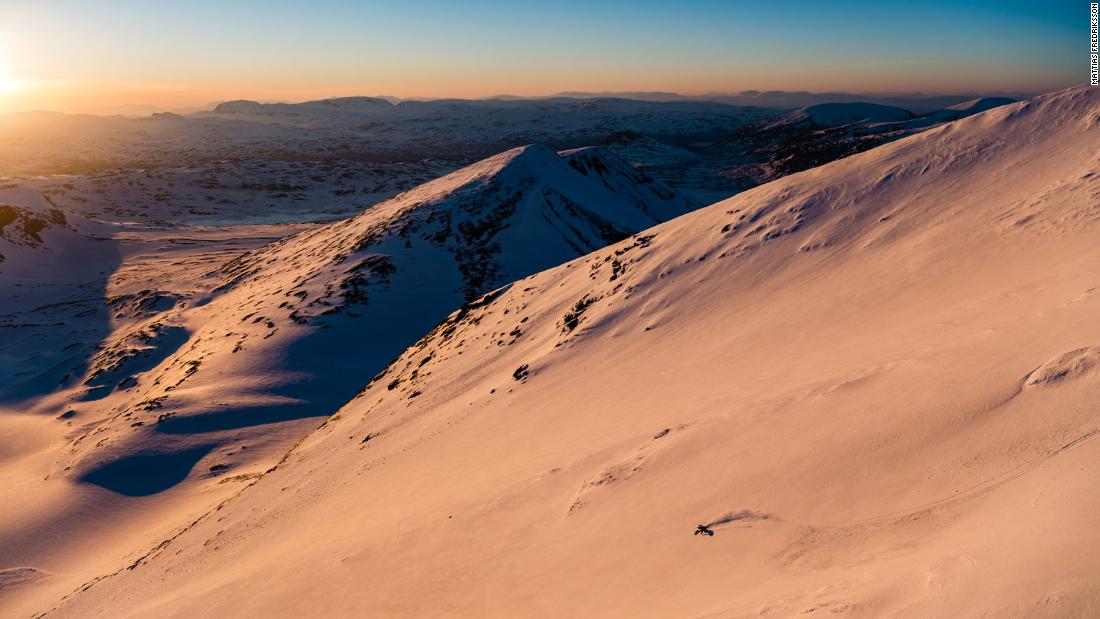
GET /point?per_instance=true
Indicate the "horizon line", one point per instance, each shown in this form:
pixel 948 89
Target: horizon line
pixel 629 95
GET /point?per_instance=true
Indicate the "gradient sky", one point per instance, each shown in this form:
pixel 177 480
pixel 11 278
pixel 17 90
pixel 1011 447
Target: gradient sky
pixel 101 55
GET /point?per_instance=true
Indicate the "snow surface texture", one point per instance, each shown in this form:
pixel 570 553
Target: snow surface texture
pixel 874 381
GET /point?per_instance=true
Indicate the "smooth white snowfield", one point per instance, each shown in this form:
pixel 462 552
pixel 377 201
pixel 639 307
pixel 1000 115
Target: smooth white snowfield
pixel 876 381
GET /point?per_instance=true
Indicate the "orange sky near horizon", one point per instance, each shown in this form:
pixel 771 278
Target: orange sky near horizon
pixel 126 56
pixel 102 96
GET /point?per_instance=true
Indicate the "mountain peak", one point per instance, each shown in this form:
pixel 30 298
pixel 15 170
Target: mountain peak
pixel 349 296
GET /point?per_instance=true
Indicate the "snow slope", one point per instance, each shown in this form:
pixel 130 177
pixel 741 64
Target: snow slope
pixel 53 269
pixel 875 381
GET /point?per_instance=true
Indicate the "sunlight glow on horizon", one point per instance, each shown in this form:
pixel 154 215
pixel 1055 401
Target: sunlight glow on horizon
pixel 77 56
pixel 8 82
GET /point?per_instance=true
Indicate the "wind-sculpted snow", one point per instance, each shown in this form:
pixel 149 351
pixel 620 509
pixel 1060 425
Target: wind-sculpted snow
pixel 869 386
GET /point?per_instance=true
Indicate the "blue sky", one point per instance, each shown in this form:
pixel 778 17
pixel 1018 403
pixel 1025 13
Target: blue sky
pixel 201 50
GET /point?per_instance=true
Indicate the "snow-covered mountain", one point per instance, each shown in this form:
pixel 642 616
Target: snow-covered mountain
pixel 872 383
pixel 288 332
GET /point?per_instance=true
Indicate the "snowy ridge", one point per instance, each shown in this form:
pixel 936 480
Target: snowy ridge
pixel 518 212
pixel 288 332
pixel 619 177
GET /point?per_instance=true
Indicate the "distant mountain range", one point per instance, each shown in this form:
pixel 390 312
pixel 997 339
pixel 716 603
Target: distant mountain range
pixel 916 102
pixel 919 103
